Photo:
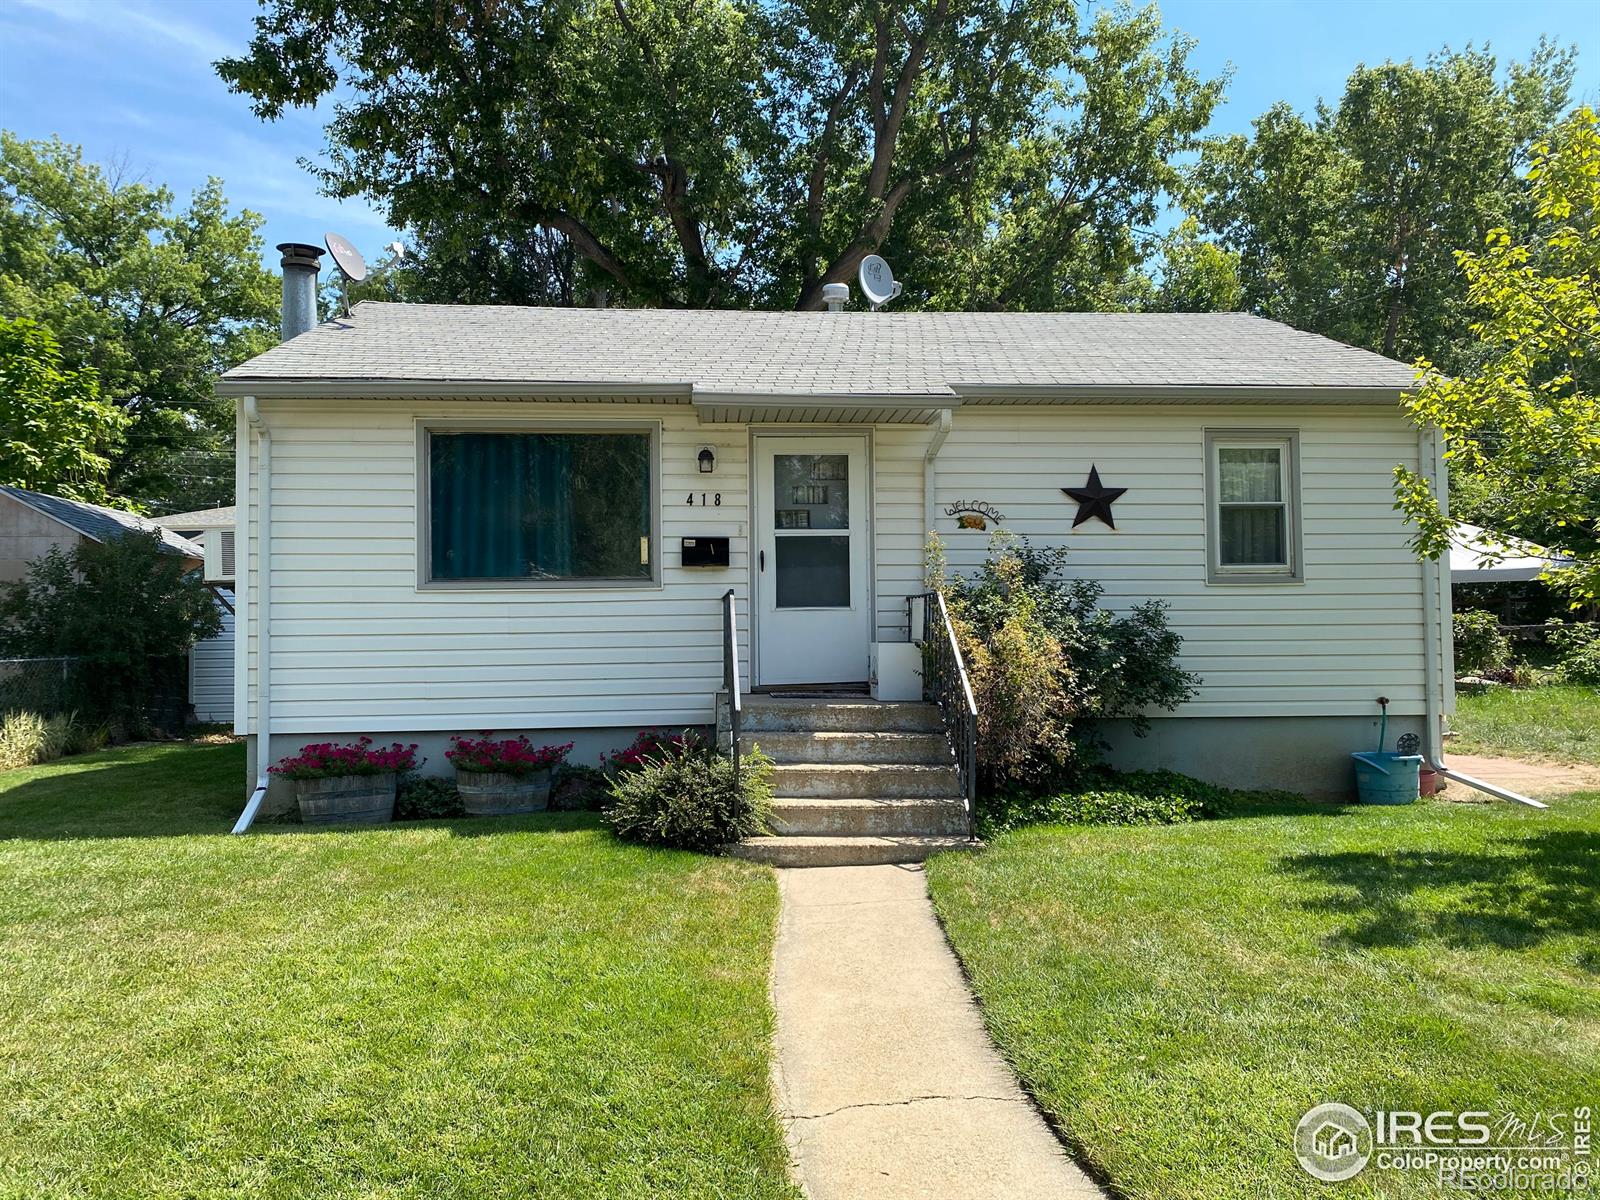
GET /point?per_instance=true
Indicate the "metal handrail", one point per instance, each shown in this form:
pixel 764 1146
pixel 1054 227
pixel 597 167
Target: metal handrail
pixel 730 677
pixel 945 682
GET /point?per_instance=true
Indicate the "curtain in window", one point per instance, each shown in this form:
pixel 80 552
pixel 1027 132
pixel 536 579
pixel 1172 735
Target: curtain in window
pixel 1253 536
pixel 538 505
pixel 1253 515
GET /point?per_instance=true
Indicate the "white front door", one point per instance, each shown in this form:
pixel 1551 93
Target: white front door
pixel 813 616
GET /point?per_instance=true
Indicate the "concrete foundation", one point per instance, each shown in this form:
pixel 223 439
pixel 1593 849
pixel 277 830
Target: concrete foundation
pixel 588 746
pixel 1309 755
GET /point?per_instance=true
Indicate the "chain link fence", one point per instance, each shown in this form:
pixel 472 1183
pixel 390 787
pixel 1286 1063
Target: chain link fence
pixel 139 697
pixel 42 685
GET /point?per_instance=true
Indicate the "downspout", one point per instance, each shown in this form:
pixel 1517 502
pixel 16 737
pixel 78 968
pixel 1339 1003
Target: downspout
pixel 930 501
pixel 262 625
pixel 1430 459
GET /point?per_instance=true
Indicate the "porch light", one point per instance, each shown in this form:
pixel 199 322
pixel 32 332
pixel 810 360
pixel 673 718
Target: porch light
pixel 708 460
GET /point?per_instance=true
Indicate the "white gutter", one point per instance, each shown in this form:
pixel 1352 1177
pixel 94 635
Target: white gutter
pixel 263 549
pixel 1437 650
pixel 930 499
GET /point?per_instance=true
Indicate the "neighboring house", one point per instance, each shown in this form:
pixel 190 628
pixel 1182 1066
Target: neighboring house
pixel 33 523
pixel 489 517
pixel 211 661
pixel 1480 556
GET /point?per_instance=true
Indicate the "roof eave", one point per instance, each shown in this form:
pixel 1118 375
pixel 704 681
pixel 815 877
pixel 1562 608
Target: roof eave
pixel 1177 393
pixel 488 389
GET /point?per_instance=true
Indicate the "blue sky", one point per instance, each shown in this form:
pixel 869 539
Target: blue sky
pixel 131 81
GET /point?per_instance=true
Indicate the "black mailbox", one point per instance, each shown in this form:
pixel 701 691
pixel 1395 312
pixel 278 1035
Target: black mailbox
pixel 705 552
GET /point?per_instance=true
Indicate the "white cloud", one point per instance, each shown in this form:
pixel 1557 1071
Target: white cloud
pixel 158 24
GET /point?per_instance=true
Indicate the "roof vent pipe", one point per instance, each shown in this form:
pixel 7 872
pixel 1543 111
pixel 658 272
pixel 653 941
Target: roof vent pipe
pixel 834 295
pixel 300 264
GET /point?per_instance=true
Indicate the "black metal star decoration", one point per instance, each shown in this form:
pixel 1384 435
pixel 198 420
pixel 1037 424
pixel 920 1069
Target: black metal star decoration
pixel 1094 499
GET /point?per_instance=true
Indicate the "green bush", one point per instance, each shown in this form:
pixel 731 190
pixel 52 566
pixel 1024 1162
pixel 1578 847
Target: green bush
pixel 128 611
pixel 427 798
pixel 27 739
pixel 1480 646
pixel 578 788
pixel 1048 662
pixel 1118 798
pixel 1577 649
pixel 686 799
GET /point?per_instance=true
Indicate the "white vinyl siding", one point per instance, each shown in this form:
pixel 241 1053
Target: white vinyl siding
pixel 358 647
pixel 211 673
pixel 1352 631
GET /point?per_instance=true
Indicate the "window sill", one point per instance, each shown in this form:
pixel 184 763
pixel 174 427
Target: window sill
pixel 541 585
pixel 1254 579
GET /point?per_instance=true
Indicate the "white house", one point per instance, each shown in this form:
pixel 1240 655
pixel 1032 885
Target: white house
pixel 463 518
pixel 211 661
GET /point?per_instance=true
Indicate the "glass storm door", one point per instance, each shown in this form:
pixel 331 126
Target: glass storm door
pixel 811 559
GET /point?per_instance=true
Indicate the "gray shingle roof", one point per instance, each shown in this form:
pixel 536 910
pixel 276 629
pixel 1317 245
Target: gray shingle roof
pixel 200 518
pixel 101 524
pixel 804 354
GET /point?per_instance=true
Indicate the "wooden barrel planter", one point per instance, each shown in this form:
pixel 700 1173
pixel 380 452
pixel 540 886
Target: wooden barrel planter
pixel 347 799
pixel 492 794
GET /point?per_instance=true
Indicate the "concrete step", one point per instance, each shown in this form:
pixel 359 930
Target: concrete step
pixel 855 817
pixel 875 781
pixel 844 851
pixel 911 749
pixel 764 714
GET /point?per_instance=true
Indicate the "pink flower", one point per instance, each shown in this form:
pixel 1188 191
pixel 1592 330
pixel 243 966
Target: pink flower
pixel 325 760
pixel 508 756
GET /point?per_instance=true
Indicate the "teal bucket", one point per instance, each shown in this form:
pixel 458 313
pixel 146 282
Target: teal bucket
pixel 1384 778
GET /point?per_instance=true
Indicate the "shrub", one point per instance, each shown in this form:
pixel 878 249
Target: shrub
pixel 1047 662
pixel 510 756
pixel 1119 798
pixel 687 800
pixel 1577 650
pixel 27 738
pixel 327 760
pixel 128 611
pixel 651 743
pixel 427 798
pixel 578 788
pixel 1480 646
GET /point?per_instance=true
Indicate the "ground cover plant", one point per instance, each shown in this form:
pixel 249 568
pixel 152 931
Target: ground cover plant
pixel 407 1011
pixel 1176 996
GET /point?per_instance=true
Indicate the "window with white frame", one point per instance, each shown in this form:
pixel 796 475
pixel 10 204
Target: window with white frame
pixel 1252 518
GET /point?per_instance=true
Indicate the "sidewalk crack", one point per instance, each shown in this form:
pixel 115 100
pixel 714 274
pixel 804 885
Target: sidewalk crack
pixel 901 1103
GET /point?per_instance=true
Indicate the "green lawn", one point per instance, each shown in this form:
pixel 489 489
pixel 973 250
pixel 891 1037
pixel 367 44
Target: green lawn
pixel 1561 723
pixel 491 1008
pixel 1178 996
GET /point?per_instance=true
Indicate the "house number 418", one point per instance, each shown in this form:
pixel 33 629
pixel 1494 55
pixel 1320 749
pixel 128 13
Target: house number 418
pixel 715 499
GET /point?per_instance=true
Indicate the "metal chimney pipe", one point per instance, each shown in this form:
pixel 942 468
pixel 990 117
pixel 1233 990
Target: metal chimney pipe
pixel 835 296
pixel 300 265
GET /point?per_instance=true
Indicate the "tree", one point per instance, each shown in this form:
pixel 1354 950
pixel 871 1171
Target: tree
pixel 1346 224
pixel 55 432
pixel 739 152
pixel 155 300
pixel 1196 275
pixel 1524 423
pixel 126 608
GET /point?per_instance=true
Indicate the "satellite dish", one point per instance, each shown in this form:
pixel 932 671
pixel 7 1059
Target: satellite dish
pixel 352 267
pixel 346 257
pixel 877 281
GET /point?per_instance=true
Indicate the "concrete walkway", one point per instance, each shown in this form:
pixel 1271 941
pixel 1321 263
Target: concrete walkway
pixel 886 1080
